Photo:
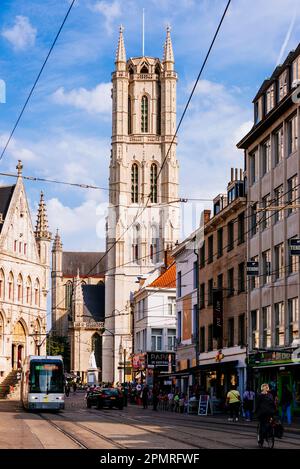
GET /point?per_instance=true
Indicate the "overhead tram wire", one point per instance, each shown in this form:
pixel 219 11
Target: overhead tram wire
pixel 36 80
pixel 173 139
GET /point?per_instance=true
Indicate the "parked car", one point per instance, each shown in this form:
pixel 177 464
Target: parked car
pixel 105 397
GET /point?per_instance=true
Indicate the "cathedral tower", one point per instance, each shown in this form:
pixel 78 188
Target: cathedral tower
pixel 143 126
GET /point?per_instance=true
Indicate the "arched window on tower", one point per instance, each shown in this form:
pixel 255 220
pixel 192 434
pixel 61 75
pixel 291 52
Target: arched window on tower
pixel 154 247
pixel 153 183
pixel 2 284
pixel 144 114
pixel 129 116
pixel 158 110
pixel 11 286
pixel 144 69
pixel 28 291
pixel 136 243
pixel 134 183
pixel 68 295
pixel 20 288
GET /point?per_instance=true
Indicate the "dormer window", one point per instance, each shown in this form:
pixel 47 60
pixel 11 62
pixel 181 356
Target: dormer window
pixel 283 85
pixel 270 98
pixel 258 110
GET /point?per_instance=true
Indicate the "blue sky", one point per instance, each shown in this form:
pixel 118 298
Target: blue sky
pixel 65 131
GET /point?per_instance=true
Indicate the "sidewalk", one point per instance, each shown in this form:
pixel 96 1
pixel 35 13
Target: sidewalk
pixel 220 418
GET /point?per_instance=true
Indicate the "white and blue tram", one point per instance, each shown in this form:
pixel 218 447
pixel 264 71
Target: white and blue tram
pixel 42 385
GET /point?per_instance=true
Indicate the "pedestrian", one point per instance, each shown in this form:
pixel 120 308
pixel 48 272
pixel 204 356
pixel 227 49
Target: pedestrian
pixel 248 403
pixel 155 394
pixel 286 403
pixel 74 386
pixel 265 409
pixel 145 395
pixel 233 401
pixel 67 389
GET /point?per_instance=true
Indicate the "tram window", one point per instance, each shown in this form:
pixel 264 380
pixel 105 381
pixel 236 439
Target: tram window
pixel 46 377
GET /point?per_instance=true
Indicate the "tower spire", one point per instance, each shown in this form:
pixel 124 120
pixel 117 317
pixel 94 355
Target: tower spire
pixel 57 245
pixel 168 49
pixel 120 54
pixel 42 228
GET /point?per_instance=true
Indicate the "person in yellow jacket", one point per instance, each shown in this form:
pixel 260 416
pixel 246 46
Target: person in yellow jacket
pixel 233 401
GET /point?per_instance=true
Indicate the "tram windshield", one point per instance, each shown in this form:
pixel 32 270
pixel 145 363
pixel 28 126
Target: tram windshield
pixel 46 377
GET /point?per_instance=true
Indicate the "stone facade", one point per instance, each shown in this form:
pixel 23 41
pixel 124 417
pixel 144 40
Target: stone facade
pixel 24 277
pixel 78 304
pixel 143 126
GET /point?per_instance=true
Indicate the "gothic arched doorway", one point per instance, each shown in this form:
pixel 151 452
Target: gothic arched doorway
pixel 97 349
pixel 18 346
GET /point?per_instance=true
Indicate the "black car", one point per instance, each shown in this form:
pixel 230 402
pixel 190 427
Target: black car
pixel 105 397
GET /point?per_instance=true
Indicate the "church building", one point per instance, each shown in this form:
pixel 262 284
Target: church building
pixel 78 306
pixel 143 219
pixel 24 278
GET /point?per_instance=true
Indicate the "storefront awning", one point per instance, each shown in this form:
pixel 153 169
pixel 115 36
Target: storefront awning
pixel 216 366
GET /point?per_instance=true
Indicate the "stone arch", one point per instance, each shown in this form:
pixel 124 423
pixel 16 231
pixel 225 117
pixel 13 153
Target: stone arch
pixel 97 348
pixel 28 290
pixel 1 333
pixel 20 288
pixel 19 338
pixel 37 292
pixel 2 284
pixel 11 286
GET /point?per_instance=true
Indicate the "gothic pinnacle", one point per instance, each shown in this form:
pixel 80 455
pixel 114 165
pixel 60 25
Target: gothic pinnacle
pixel 121 54
pixel 42 229
pixel 168 49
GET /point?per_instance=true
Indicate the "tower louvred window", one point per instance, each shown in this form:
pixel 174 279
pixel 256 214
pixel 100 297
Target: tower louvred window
pixel 153 183
pixel 134 183
pixel 144 114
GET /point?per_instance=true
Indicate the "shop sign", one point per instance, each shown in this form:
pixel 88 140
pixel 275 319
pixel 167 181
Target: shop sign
pixel 295 247
pixel 162 360
pixel 217 314
pixel 272 358
pixel 138 361
pixel 252 268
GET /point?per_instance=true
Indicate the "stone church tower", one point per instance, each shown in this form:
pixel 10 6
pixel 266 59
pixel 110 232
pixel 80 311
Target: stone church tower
pixel 143 125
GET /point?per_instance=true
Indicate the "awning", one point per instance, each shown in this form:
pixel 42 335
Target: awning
pixel 216 366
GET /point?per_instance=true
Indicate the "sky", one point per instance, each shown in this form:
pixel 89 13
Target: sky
pixel 65 131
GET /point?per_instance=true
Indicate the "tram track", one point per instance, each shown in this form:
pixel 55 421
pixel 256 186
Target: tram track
pixel 169 437
pixel 245 433
pixel 84 427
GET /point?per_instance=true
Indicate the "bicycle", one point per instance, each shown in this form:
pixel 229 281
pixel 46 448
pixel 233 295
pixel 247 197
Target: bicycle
pixel 267 435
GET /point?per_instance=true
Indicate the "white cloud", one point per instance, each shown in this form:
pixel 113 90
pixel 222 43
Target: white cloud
pixel 110 11
pixel 82 228
pixel 95 101
pixel 22 35
pixel 214 124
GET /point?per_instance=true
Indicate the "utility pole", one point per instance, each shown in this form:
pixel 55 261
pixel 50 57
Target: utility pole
pixel 124 369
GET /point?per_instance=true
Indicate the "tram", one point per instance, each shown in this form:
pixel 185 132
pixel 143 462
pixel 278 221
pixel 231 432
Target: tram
pixel 42 384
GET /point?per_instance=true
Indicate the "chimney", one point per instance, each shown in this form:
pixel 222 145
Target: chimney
pixel 236 174
pixel 206 216
pixel 231 177
pixel 168 259
pixel 241 174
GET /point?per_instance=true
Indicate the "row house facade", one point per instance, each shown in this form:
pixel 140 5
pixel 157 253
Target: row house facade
pixel 272 163
pixel 222 294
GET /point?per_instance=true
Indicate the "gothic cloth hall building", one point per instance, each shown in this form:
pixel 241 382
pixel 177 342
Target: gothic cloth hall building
pixel 24 277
